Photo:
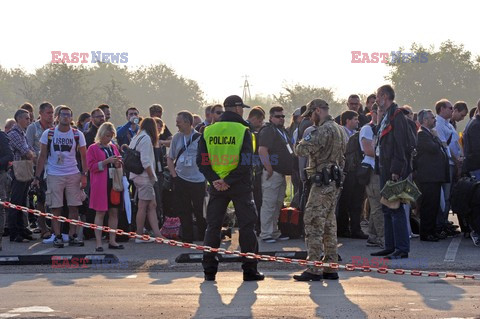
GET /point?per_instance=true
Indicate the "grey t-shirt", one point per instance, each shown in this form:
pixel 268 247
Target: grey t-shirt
pixel 186 167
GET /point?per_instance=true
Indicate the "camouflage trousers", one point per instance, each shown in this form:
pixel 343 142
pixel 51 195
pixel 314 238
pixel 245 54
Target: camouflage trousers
pixel 321 226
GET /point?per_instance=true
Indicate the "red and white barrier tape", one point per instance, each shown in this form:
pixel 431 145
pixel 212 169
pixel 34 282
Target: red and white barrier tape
pixel 223 251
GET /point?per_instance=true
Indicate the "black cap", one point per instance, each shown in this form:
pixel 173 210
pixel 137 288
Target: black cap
pixel 234 101
pixel 313 104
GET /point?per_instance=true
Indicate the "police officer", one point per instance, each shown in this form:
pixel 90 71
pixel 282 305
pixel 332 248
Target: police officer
pixel 224 156
pixel 325 147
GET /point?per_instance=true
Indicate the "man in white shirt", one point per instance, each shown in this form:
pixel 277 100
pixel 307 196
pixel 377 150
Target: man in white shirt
pixel 59 150
pixel 446 134
pixel 367 145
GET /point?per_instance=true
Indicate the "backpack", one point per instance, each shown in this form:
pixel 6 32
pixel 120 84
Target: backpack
pixel 132 160
pixel 171 228
pixel 51 132
pixel 353 154
pixel 462 195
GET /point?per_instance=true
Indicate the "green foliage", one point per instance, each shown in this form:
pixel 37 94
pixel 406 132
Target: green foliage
pixel 450 72
pixel 298 95
pixel 84 88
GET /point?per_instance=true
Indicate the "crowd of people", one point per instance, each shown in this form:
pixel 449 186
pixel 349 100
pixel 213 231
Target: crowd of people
pixel 338 168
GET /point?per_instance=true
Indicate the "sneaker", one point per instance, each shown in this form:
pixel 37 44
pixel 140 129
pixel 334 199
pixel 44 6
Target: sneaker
pixel 75 241
pixel 412 235
pixel 141 241
pixel 269 240
pixel 58 242
pixel 49 240
pixel 283 237
pixel 475 238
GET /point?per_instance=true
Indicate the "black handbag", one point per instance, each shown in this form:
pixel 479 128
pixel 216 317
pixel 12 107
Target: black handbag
pixel 363 173
pixel 131 159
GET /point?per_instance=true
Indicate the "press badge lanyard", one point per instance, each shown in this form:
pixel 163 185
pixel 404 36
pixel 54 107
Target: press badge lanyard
pixel 286 141
pixel 185 145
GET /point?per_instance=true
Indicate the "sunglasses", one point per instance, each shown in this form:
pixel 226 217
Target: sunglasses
pixel 219 112
pixel 279 116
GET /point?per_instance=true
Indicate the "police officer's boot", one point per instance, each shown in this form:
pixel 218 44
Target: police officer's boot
pixel 253 276
pixel 209 277
pixel 306 276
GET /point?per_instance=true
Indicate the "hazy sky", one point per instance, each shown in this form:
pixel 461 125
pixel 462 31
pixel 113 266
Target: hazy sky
pixel 217 42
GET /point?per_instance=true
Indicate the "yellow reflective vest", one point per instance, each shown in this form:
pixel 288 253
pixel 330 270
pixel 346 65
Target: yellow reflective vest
pixel 224 142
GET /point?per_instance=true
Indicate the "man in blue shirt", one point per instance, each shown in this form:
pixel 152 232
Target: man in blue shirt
pixel 126 132
pixel 446 133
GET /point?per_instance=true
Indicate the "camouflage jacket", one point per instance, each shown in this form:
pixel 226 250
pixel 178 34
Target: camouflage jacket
pixel 324 146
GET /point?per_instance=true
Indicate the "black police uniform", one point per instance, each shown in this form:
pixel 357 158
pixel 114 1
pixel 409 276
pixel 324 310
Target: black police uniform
pixel 240 192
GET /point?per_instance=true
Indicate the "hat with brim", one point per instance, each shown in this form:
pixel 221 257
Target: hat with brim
pixel 313 105
pixel 234 101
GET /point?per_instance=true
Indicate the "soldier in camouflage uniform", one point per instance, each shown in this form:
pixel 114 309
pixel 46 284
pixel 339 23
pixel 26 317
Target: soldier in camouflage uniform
pixel 325 147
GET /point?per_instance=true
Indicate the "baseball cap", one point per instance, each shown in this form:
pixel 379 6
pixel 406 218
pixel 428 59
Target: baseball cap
pixel 297 112
pixel 234 101
pixel 312 105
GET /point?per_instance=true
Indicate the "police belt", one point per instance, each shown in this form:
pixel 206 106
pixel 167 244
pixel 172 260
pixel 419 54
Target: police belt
pixel 326 176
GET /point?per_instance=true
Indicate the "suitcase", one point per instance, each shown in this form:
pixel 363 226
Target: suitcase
pixel 290 222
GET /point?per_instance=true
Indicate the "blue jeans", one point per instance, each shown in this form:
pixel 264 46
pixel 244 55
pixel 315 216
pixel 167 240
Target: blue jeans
pixel 397 236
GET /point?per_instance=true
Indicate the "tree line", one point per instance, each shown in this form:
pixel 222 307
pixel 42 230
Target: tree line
pixel 451 72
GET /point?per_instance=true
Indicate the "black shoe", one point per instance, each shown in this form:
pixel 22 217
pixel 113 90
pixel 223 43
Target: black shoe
pixel 384 252
pixel 452 232
pixel 253 276
pixel 99 249
pixel 110 246
pixel 429 238
pixel 359 235
pixel 306 276
pixel 19 239
pixel 441 235
pixel 26 231
pixel 397 255
pixel 330 275
pixel 209 277
pixel 75 241
pixel 58 242
pixel 27 237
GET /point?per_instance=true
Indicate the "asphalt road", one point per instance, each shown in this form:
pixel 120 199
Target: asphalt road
pixel 150 284
pixel 186 295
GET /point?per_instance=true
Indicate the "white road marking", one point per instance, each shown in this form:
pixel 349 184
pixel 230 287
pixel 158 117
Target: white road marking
pixel 32 309
pixel 45 251
pixel 452 249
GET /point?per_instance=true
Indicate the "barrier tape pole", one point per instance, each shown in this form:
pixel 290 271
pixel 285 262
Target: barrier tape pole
pixel 223 251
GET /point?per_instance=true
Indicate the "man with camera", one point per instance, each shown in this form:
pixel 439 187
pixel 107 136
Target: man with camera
pixel 126 132
pixel 325 147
